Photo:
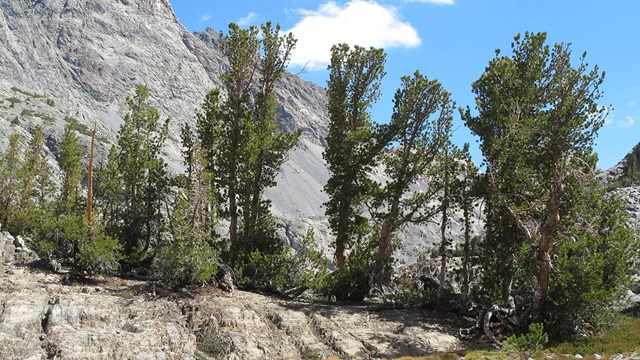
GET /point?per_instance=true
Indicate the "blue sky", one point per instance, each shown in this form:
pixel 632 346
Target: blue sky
pixel 453 41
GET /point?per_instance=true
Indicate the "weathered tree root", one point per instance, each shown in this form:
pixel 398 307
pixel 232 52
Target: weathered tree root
pixel 500 313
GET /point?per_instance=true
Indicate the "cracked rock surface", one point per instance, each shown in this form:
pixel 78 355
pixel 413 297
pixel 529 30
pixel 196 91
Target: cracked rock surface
pixel 122 319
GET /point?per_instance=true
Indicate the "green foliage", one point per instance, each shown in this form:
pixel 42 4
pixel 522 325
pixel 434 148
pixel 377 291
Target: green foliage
pixel 28 185
pixel 81 128
pixel 421 127
pixel 622 337
pixel 70 154
pixel 15 121
pixel 352 283
pixel 24 92
pixel 71 240
pixel 592 267
pixel 27 112
pixel 99 253
pixel 65 235
pixel 538 119
pixel 277 267
pixel 526 345
pixel 239 136
pixel 134 183
pixel 10 164
pixel 13 101
pixel 190 258
pixel 352 143
pixel 44 117
pixel 406 293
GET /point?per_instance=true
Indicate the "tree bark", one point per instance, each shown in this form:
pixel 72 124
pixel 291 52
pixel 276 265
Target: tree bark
pixel 544 251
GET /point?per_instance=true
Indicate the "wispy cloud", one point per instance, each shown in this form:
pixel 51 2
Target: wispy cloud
pixel 358 22
pixel 438 2
pixel 627 122
pixel 205 17
pixel 247 19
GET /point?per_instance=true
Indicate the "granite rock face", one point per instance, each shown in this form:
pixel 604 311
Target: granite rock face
pixel 40 318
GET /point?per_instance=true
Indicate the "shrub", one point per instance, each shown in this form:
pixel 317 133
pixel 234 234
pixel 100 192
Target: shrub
pixel 527 344
pixel 352 283
pixel 272 265
pixel 189 257
pixel 99 254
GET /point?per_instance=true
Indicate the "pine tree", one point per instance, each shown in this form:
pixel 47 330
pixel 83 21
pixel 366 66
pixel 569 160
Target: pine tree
pixel 538 119
pixel 465 194
pixel 243 146
pixel 34 188
pixel 353 142
pixel 421 123
pixel 191 257
pixel 134 182
pixel 268 145
pixel 10 163
pixel 70 155
pixel 447 170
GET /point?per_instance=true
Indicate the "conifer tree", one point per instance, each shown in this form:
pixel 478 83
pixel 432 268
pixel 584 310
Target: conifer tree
pixel 268 145
pixel 538 119
pixel 190 257
pixel 465 194
pixel 70 155
pixel 422 124
pixel 135 179
pixel 353 142
pixel 34 188
pixel 240 139
pixel 10 164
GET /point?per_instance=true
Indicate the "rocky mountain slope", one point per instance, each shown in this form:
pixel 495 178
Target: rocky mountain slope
pixel 624 181
pixel 65 60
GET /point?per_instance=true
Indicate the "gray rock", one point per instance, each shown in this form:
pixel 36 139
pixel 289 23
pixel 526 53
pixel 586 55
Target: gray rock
pixel 43 319
pixel 20 243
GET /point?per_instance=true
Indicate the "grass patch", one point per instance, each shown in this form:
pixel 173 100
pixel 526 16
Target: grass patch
pixel 214 347
pixel 44 117
pixel 24 92
pixel 81 128
pixel 84 129
pixel 623 337
pixel 13 101
pixel 27 112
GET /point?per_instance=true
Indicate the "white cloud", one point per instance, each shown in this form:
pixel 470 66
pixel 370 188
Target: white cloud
pixel 205 17
pixel 627 122
pixel 359 22
pixel 438 2
pixel 248 19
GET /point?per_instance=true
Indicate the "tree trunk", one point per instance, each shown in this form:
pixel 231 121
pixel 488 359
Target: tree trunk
pixel 252 216
pixel 341 258
pixel 342 235
pixel 544 252
pixel 385 249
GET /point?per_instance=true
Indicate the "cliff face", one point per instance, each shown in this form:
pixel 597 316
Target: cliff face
pixel 624 181
pixel 89 55
pixel 80 59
